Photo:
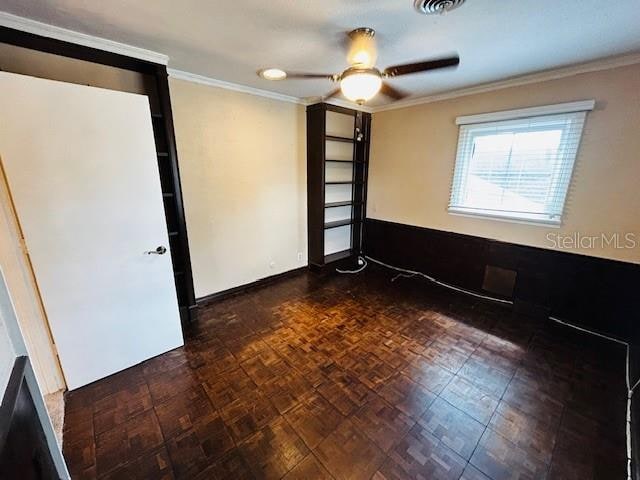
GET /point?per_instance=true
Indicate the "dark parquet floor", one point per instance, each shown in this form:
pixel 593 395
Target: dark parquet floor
pixel 358 377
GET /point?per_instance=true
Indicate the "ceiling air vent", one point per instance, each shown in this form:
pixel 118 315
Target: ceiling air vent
pixel 434 7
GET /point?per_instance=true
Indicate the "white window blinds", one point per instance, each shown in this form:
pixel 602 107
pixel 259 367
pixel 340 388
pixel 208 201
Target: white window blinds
pixel 516 169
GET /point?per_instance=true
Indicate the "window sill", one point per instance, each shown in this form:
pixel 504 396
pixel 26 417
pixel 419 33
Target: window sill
pixel 504 217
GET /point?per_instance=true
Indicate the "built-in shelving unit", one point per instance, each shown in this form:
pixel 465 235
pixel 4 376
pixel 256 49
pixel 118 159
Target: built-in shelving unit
pixel 337 160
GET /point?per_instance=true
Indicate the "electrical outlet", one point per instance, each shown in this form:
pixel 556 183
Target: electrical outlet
pixel 299 256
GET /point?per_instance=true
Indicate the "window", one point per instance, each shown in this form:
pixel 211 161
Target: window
pixel 517 165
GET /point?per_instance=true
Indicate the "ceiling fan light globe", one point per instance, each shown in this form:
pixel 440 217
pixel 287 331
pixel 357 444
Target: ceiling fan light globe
pixel 360 86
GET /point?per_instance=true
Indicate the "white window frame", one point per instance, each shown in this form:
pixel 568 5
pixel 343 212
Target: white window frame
pixel 485 120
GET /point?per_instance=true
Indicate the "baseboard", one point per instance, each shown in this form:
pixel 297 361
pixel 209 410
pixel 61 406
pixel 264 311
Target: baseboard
pixel 214 297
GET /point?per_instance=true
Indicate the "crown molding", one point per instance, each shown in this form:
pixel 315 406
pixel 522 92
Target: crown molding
pixel 595 66
pixel 236 87
pixel 58 33
pixel 598 65
pixel 212 82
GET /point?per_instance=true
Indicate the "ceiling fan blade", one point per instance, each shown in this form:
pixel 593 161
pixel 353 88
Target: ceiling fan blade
pixel 332 93
pixel 311 76
pixel 417 67
pixel 392 92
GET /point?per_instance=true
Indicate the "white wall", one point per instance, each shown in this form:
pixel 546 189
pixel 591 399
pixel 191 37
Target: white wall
pixel 243 171
pixel 413 155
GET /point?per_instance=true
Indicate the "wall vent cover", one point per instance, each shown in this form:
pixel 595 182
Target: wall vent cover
pixel 499 280
pixel 435 7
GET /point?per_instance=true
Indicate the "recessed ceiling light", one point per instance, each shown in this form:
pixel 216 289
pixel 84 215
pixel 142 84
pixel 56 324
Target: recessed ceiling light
pixel 273 74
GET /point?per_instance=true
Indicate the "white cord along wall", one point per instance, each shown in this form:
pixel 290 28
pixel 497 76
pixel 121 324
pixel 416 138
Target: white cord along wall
pixel 630 388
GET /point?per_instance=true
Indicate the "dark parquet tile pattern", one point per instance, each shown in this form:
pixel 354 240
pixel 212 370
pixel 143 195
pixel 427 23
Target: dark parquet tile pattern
pixel 357 377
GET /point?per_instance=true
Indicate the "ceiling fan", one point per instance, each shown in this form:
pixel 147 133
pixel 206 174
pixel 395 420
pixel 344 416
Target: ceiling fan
pixel 362 80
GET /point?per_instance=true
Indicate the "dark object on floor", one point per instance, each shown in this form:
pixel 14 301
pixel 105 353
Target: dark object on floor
pixel 24 452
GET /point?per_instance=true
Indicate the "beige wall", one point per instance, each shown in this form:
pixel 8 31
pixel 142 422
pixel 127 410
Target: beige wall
pixel 413 155
pixel 243 172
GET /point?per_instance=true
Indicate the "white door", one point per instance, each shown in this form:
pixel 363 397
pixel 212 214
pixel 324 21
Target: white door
pixel 81 165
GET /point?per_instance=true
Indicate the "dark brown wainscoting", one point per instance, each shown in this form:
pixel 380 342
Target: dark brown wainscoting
pixel 24 452
pixel 595 293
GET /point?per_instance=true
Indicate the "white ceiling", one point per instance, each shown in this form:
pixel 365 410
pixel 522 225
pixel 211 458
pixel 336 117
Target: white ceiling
pixel 230 39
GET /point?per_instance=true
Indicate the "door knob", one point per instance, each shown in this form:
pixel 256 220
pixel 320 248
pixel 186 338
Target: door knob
pixel 161 250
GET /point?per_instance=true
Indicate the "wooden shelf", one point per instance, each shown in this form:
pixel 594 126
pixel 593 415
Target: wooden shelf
pixel 340 204
pixel 174 234
pixel 333 138
pixel 332 257
pixel 335 157
pixel 338 223
pixel 163 154
pixel 167 195
pixel 156 115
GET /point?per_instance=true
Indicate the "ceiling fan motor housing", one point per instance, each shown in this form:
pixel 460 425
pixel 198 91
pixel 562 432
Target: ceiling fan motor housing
pixel 436 7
